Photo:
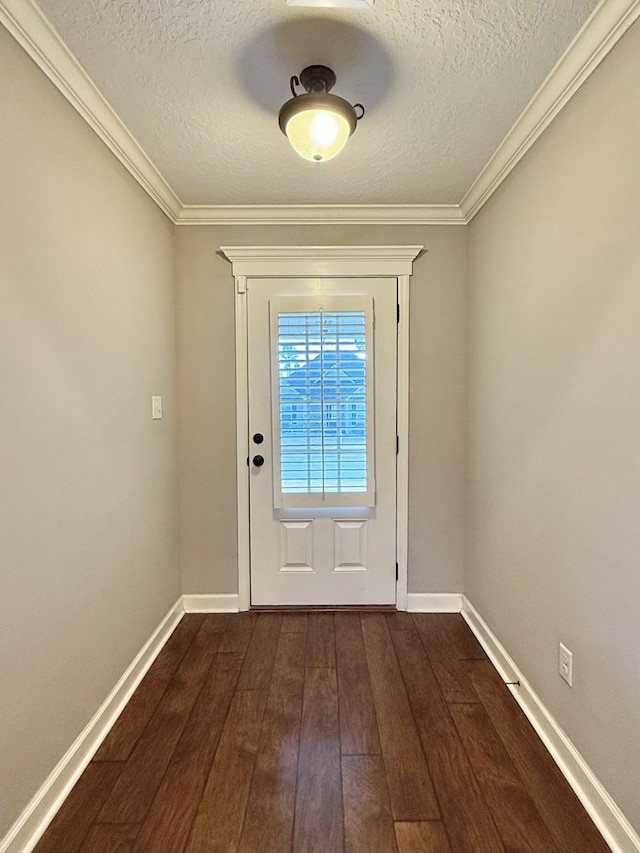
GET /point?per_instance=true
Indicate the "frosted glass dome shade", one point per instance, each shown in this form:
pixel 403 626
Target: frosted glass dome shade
pixel 317 125
pixel 317 135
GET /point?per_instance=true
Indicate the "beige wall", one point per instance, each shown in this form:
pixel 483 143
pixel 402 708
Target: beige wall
pixel 553 514
pixel 88 509
pixel 206 382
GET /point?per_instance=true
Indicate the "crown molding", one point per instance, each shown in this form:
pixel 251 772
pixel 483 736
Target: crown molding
pixel 603 29
pixel 606 25
pixel 322 214
pixel 27 24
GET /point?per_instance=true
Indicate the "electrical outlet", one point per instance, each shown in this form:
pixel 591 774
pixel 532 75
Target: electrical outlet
pixel 565 664
pixel 156 408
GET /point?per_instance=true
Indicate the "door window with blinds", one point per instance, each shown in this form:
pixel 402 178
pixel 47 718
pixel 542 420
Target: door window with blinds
pixel 322 401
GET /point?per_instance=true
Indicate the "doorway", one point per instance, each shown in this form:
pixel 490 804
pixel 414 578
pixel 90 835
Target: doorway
pixel 322 423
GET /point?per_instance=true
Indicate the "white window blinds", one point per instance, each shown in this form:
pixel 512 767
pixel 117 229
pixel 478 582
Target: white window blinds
pixel 323 411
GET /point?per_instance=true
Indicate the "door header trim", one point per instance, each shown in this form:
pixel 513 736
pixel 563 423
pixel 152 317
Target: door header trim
pixel 310 261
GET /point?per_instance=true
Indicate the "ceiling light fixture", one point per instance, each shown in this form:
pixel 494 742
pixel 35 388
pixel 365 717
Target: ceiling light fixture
pixel 318 124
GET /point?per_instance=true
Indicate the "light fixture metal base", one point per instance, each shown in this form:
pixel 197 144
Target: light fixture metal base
pixel 317 78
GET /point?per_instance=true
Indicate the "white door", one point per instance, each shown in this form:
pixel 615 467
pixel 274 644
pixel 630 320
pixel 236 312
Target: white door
pixel 322 358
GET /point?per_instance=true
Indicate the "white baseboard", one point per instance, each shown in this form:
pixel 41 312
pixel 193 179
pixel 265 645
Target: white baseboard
pixel 615 828
pixel 27 830
pixel 209 604
pixel 434 602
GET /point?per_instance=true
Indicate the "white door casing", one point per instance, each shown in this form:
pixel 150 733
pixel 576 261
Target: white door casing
pixel 251 262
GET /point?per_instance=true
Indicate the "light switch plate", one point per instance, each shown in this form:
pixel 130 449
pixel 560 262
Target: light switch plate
pixel 565 664
pixel 156 408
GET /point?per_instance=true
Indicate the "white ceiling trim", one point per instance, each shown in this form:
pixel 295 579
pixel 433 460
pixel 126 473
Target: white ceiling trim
pixel 604 28
pixel 318 214
pixel 26 23
pixel 606 25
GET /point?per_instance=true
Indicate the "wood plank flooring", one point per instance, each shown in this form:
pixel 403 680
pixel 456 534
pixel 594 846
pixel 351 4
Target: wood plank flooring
pixel 346 732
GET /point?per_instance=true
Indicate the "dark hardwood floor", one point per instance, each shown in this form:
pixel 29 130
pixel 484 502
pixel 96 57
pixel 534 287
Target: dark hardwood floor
pixel 340 732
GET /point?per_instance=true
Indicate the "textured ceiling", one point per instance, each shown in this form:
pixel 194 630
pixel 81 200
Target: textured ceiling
pixel 200 83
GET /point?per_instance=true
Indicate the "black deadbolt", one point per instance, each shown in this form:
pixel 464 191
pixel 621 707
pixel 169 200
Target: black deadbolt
pixel 258 461
pixel 258 438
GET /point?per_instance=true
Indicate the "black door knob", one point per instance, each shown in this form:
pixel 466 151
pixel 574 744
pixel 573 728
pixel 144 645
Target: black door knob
pixel 258 461
pixel 258 438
